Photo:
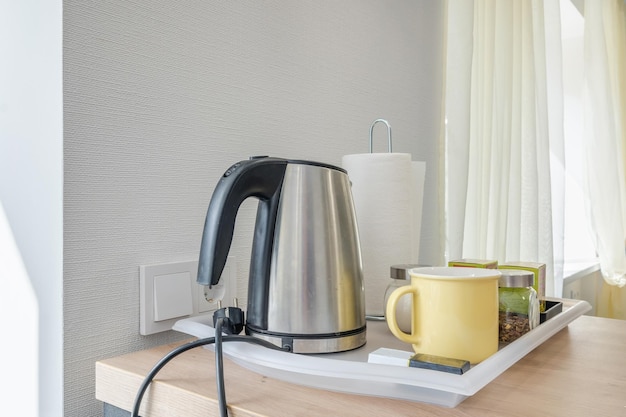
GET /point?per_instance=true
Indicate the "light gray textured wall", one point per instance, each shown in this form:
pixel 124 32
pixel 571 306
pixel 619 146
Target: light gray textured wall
pixel 160 97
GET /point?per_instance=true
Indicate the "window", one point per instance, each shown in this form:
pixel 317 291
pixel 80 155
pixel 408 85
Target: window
pixel 579 250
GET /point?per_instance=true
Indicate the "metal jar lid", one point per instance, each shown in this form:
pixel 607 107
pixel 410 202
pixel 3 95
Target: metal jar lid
pixel 402 271
pixel 516 278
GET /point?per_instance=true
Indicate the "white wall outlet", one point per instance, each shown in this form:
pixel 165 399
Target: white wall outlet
pixel 169 292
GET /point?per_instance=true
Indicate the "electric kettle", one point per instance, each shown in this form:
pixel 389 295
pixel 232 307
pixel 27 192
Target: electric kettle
pixel 305 288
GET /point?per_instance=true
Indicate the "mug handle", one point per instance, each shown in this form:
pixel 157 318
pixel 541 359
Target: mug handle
pixel 390 313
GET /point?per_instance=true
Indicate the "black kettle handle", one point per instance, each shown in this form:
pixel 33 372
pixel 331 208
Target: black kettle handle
pixel 259 177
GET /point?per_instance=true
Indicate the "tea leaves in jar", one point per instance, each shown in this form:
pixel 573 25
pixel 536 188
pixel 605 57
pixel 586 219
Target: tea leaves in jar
pixel 518 305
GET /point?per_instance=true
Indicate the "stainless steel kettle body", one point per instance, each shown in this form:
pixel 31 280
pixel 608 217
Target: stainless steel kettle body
pixel 305 289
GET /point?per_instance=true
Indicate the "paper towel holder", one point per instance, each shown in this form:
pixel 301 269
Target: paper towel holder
pixel 372 133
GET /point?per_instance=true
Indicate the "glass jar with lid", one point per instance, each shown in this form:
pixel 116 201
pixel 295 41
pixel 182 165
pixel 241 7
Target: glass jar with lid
pixel 399 275
pixel 518 304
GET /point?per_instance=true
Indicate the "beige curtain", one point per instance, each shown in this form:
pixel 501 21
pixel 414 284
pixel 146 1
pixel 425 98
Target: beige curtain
pixel 611 301
pixel 503 127
pixel 605 137
pixel 605 132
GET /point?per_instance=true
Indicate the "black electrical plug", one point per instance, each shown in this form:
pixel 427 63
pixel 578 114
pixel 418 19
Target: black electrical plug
pixel 232 318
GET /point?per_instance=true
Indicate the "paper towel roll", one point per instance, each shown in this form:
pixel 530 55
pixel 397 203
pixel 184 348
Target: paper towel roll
pixel 418 171
pixel 387 189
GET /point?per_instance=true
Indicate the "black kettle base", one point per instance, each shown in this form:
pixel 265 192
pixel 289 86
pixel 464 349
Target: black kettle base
pixel 324 343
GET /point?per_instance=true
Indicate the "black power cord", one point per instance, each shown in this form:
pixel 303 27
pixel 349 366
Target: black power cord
pixel 227 320
pixel 219 368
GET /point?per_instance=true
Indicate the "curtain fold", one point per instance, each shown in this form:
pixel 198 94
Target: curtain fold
pixel 500 134
pixel 605 134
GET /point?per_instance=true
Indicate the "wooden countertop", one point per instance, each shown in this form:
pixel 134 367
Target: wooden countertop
pixel 580 371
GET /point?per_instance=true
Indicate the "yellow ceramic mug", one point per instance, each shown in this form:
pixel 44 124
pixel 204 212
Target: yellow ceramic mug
pixel 454 313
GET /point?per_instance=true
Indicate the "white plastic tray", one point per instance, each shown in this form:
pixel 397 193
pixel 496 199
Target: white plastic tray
pixel 350 372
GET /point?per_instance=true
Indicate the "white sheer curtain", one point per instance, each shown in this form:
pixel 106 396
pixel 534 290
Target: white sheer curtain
pixel 605 132
pixel 504 133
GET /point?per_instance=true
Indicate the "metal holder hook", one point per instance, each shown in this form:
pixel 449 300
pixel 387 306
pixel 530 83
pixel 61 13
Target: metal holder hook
pixel 372 131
